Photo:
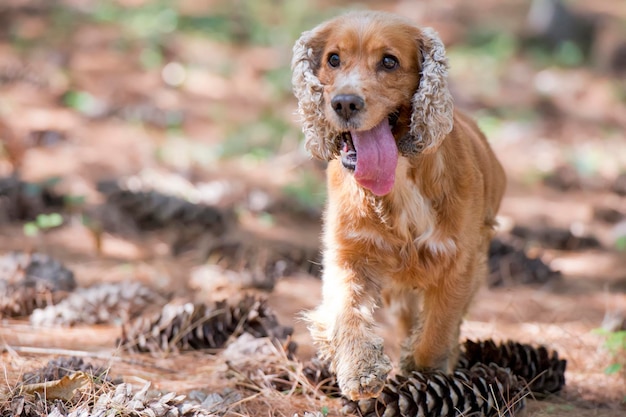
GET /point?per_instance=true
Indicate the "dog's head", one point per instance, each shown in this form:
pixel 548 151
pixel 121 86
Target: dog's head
pixel 371 80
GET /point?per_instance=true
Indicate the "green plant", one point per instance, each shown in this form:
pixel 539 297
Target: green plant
pixel 42 222
pixel 615 343
pixel 84 103
pixel 150 21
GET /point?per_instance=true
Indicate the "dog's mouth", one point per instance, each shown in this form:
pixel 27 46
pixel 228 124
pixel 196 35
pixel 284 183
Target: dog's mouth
pixel 346 146
pixel 372 155
pixel 347 151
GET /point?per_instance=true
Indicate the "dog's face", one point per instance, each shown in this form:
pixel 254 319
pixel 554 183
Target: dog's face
pixel 370 71
pixel 371 86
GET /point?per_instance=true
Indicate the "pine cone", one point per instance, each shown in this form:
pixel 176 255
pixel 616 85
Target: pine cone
pixel 542 370
pixel 21 200
pixel 29 281
pixel 20 406
pixel 122 400
pixel 57 368
pixel 514 368
pixel 509 265
pixel 260 263
pixel 482 390
pixel 199 326
pixel 151 209
pixel 141 403
pixel 102 303
pixel 318 373
pixel 556 238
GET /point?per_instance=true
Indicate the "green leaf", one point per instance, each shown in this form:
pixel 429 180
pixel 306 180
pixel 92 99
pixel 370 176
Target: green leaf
pixel 600 331
pixel 151 57
pixel 569 54
pixel 74 200
pixel 613 368
pixel 266 219
pixel 31 229
pixel 48 221
pixel 616 341
pixel 84 103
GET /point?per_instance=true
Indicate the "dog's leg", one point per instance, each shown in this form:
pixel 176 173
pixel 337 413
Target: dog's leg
pixel 343 328
pixel 434 342
pixel 405 304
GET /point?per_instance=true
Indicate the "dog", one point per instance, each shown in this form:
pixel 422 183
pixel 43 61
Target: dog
pixel 413 192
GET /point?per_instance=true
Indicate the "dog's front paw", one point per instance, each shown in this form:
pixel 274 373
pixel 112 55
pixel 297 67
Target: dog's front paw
pixel 365 377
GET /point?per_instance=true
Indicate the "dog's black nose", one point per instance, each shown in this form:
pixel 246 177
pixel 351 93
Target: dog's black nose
pixel 346 105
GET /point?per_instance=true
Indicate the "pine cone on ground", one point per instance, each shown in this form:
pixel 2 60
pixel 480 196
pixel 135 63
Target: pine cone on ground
pixel 490 379
pixel 19 406
pixel 510 265
pixel 20 200
pixel 120 401
pixel 542 370
pixel 99 304
pixel 556 238
pixel 482 390
pixel 142 403
pixel 132 206
pixel 261 263
pixel 26 406
pixel 151 209
pixel 29 281
pixel 318 373
pixel 59 367
pixel 191 326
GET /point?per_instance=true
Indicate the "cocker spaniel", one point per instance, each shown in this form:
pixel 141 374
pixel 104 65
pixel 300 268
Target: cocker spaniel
pixel 413 191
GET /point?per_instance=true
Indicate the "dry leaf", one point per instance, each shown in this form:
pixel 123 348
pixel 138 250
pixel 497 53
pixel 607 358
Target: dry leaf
pixel 60 389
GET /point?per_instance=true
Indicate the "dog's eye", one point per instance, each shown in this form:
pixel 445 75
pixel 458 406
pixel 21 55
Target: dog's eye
pixel 389 62
pixel 333 60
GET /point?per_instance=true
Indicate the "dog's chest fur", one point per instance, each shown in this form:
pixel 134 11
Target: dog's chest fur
pixel 397 233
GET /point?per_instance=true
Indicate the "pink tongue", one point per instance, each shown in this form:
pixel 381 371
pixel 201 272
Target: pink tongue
pixel 377 157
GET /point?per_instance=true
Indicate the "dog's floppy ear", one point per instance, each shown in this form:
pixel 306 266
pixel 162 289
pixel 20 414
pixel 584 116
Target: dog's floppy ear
pixel 320 137
pixel 431 119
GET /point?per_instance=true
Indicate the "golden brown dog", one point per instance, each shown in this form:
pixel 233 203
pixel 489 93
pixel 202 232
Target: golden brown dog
pixel 413 190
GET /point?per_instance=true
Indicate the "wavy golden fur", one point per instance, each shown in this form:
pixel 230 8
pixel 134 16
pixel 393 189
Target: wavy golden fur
pixel 419 241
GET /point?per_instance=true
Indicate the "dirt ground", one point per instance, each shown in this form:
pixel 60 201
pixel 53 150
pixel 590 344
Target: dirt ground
pixel 93 91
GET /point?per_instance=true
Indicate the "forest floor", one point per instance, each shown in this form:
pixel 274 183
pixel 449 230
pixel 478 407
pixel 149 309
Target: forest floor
pixel 193 101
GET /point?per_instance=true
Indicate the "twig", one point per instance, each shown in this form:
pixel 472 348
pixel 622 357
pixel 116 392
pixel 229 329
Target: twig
pixel 84 354
pixel 57 351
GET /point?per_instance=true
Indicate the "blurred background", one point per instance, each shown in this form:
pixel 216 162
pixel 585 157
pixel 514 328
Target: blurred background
pixel 156 141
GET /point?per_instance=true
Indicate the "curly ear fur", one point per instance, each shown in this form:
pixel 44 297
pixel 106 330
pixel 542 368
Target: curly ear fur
pixel 319 135
pixel 431 119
